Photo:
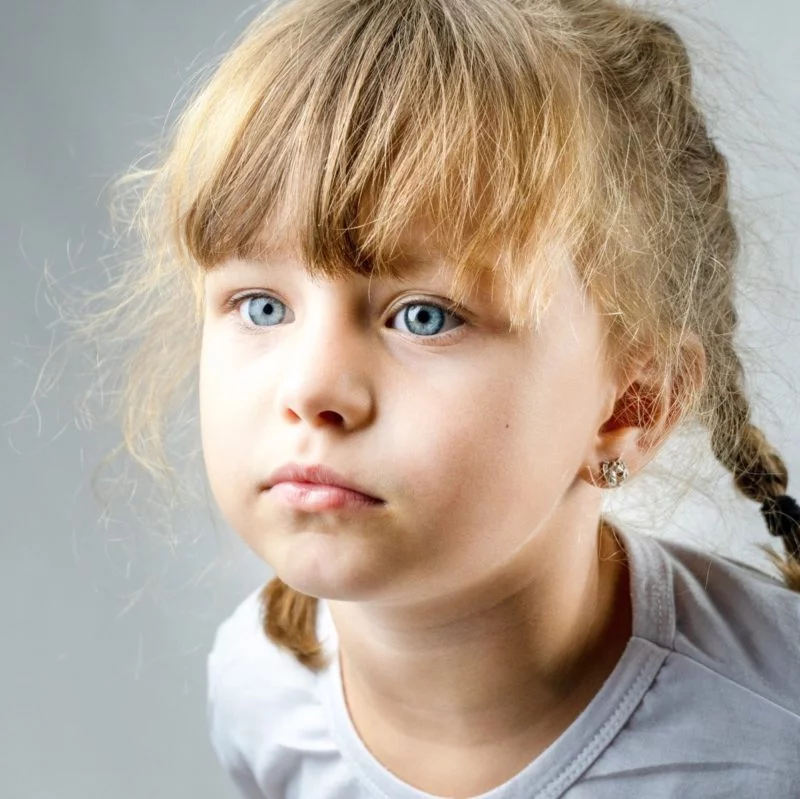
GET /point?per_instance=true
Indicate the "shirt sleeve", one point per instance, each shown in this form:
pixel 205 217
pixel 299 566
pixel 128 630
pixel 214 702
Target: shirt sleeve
pixel 220 727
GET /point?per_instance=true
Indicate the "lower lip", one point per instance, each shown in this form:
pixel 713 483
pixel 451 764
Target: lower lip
pixel 318 497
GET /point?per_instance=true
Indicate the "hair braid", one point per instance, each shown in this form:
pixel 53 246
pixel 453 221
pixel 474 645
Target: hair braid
pixel 759 472
pixel 288 618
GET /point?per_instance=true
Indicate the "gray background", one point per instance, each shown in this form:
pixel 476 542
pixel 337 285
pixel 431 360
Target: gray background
pixel 104 627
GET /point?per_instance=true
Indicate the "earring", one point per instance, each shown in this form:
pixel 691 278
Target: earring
pixel 615 472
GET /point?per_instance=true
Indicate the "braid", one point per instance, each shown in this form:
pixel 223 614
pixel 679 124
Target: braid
pixel 288 618
pixel 758 471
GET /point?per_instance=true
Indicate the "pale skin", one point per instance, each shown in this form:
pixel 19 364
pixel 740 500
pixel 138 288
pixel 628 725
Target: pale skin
pixel 479 609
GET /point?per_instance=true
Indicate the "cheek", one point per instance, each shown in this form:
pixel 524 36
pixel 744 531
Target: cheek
pixel 223 429
pixel 228 392
pixel 468 453
pixel 497 458
pixel 211 402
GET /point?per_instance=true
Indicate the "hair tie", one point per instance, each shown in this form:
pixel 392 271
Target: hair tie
pixel 782 515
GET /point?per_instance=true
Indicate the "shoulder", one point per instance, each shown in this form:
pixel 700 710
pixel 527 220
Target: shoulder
pixel 258 694
pixel 738 622
pixel 724 705
pixel 239 640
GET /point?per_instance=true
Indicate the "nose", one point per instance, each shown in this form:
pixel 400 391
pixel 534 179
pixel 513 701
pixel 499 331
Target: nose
pixel 325 378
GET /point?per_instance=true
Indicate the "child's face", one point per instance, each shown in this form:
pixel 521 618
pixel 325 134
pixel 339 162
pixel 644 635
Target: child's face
pixel 471 439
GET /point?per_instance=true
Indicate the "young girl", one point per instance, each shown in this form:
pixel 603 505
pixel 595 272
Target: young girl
pixel 460 267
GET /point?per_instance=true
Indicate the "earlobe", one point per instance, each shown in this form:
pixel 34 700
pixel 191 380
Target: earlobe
pixel 612 473
pixel 615 473
pixel 623 439
pixel 650 408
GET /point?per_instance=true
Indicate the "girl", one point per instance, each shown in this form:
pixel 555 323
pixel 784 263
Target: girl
pixel 459 267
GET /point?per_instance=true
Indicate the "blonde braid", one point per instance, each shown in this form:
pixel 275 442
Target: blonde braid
pixel 288 619
pixel 759 473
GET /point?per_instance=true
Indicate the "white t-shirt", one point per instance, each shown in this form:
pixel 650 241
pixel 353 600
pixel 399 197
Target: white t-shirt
pixel 704 703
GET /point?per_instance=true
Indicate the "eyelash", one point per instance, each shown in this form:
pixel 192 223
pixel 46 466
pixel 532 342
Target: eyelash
pixel 234 304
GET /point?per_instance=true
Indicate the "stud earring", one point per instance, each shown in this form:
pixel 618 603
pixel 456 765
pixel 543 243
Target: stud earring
pixel 615 472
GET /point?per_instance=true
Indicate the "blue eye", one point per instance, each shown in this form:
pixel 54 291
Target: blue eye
pixel 262 310
pixel 425 318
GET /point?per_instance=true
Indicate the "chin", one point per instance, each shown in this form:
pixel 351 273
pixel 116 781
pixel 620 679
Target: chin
pixel 313 569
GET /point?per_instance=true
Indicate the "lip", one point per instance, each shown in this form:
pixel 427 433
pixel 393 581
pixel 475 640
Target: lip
pixel 315 497
pixel 316 477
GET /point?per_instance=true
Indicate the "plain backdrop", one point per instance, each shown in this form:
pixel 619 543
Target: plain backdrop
pixel 105 628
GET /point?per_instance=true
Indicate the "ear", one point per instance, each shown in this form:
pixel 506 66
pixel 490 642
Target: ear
pixel 646 407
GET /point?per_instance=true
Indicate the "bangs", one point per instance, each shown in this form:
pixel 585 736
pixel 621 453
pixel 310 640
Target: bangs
pixel 332 126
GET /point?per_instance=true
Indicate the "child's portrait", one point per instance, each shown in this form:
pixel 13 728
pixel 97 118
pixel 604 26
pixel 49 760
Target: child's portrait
pixel 406 406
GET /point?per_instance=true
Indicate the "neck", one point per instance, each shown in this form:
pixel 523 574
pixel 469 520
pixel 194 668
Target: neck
pixel 498 675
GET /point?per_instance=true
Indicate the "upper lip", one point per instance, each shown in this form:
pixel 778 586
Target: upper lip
pixel 314 473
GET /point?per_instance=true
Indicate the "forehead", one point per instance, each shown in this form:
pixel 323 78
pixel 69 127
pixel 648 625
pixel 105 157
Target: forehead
pixel 418 253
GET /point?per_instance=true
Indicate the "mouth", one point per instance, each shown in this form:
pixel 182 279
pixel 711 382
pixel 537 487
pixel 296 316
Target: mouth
pixel 321 497
pixel 317 484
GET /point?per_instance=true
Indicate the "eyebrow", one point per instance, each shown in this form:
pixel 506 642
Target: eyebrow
pixel 410 266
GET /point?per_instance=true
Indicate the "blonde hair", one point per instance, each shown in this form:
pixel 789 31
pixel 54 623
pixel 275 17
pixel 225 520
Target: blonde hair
pixel 524 122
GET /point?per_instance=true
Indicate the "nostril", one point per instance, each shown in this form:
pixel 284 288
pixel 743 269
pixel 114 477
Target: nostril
pixel 332 416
